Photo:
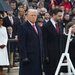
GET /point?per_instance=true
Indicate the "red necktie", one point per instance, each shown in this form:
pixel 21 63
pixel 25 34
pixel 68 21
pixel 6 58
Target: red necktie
pixel 11 20
pixel 57 28
pixel 34 27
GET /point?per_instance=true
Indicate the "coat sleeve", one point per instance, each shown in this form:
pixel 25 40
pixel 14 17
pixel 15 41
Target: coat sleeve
pixel 6 39
pixel 22 42
pixel 44 32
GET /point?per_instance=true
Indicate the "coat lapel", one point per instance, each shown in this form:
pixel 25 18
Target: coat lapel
pixel 31 28
pixel 52 28
pixel 8 20
pixel 38 30
pixel 13 20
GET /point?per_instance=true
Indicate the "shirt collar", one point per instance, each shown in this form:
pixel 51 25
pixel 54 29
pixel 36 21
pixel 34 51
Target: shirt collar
pixel 31 23
pixel 53 22
pixel 9 16
pixel 46 20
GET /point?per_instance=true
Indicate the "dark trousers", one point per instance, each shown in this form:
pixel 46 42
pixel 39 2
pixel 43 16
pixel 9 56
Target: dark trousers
pixel 47 74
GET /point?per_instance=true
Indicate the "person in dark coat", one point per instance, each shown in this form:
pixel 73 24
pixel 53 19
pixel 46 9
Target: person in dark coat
pixel 30 46
pixel 13 5
pixel 72 3
pixel 11 20
pixel 72 43
pixel 52 38
pixel 46 17
pixel 45 4
pixel 65 20
pixel 73 12
pixel 71 50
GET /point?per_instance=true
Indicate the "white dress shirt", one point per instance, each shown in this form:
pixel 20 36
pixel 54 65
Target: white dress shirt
pixel 53 22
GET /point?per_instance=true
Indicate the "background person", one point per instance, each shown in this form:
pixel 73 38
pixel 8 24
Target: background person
pixel 3 47
pixel 11 35
pixel 71 50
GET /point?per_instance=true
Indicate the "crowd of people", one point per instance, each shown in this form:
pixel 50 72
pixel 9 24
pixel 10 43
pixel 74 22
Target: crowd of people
pixel 40 26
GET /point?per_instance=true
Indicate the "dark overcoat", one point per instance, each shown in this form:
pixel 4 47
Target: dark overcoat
pixel 52 47
pixel 30 46
pixel 7 23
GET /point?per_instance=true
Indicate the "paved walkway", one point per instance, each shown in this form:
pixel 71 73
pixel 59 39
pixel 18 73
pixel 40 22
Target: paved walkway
pixel 13 71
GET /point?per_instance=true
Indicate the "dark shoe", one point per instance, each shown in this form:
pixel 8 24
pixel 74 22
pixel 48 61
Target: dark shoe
pixel 15 65
pixel 11 66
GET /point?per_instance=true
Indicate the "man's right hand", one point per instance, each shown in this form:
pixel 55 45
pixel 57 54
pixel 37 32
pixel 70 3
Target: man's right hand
pixel 26 61
pixel 46 60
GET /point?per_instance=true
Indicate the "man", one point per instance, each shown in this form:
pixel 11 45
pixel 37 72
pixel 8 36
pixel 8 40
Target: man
pixel 46 17
pixel 13 5
pixel 52 38
pixel 30 45
pixel 45 4
pixel 34 4
pixel 72 3
pixel 10 20
pixel 65 20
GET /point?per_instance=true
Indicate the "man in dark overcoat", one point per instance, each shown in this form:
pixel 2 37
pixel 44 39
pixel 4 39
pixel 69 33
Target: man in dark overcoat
pixel 30 46
pixel 52 37
pixel 11 20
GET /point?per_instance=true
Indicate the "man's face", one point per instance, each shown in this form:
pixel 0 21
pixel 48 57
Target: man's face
pixel 62 8
pixel 73 11
pixel 10 13
pixel 34 3
pixel 67 17
pixel 32 16
pixel 58 17
pixel 21 11
pixel 47 16
pixel 13 5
